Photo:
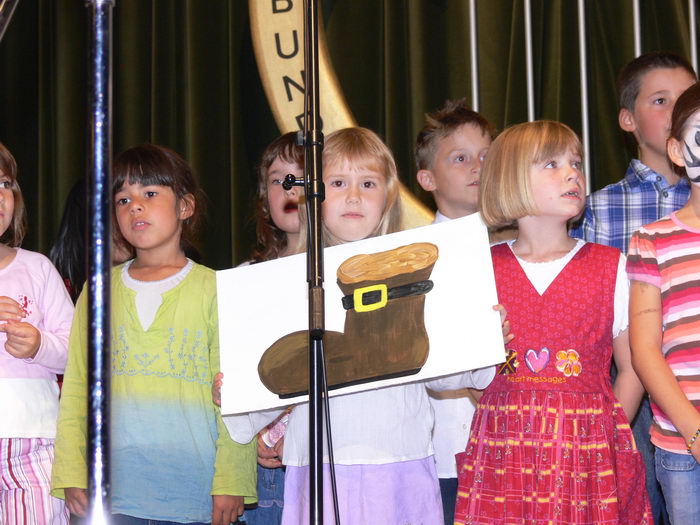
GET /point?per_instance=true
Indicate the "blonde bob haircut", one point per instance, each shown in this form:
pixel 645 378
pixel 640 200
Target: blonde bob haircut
pixel 361 148
pixel 504 189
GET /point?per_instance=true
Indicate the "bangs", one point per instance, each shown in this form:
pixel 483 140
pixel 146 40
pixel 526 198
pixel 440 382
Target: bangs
pixel 555 139
pixel 145 175
pixel 292 154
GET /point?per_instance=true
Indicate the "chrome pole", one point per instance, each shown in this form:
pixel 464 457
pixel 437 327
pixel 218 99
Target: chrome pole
pixel 584 92
pixel 693 34
pixel 99 259
pixel 474 54
pixel 528 63
pixel 636 21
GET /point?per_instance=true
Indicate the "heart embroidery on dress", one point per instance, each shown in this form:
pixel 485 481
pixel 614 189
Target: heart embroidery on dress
pixel 537 361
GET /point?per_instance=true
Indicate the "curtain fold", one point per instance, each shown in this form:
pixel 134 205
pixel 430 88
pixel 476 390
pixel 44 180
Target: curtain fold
pixel 185 76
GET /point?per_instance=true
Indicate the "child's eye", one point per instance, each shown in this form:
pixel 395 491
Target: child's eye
pixel 5 184
pixel 659 101
pixel 577 165
pixel 369 184
pixel 122 201
pixel 275 182
pixel 336 183
pixel 460 158
pixel 551 164
pixel 151 194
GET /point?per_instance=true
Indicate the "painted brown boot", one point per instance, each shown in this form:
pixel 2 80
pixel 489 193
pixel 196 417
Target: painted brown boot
pixel 384 334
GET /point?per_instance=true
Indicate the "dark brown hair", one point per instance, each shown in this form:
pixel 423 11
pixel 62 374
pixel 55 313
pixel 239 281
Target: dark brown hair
pixel 151 164
pixel 440 123
pixel 270 240
pixel 686 105
pixel 14 234
pixel 630 78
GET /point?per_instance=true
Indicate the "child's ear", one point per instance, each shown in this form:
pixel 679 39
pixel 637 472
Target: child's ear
pixel 626 120
pixel 674 148
pixel 186 206
pixel 426 180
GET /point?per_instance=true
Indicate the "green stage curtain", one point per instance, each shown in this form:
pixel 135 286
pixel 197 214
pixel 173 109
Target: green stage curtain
pixel 185 76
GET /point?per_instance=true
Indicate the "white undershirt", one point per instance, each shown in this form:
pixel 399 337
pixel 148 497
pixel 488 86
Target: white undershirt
pixel 542 274
pixel 149 294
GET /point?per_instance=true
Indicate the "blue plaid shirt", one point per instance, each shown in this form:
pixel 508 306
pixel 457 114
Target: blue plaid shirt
pixel 615 212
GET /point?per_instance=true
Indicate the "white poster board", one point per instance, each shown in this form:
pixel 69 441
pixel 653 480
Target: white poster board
pixel 260 303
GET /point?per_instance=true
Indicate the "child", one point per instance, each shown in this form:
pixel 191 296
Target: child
pixel 277 229
pixel 549 441
pixel 35 317
pixel 382 446
pixel 663 263
pixel 648 88
pixel 449 151
pixel 169 449
pixel 276 210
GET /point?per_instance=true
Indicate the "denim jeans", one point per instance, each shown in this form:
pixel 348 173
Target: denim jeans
pixel 121 519
pixel 679 476
pixel 448 492
pixel 640 430
pixel 270 498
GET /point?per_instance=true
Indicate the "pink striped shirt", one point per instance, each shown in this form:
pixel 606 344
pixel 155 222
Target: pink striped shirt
pixel 666 254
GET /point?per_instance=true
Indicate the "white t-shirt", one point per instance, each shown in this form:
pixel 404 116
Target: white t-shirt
pixel 149 294
pixel 385 425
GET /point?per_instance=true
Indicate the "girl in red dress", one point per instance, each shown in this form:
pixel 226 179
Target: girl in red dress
pixel 550 441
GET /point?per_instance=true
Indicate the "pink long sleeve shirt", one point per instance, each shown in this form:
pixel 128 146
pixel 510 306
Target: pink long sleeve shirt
pixel 28 387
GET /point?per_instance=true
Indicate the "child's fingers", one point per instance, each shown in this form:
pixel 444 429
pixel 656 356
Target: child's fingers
pixel 76 501
pixel 10 309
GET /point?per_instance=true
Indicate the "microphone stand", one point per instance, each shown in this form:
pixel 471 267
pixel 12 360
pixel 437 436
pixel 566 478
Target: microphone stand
pixel 315 193
pixel 99 258
pixel 312 140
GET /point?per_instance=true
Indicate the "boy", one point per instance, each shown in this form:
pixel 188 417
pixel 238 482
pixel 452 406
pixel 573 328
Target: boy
pixel 449 151
pixel 648 88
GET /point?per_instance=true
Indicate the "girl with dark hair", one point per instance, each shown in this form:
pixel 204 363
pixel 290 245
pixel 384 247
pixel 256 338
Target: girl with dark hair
pixel 172 459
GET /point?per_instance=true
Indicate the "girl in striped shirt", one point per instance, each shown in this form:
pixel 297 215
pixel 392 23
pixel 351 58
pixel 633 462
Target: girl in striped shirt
pixel 664 267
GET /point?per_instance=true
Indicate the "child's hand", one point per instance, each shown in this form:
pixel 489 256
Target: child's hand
pixel 226 509
pixel 77 501
pixel 505 324
pixel 269 457
pixel 216 388
pixel 10 310
pixel 23 339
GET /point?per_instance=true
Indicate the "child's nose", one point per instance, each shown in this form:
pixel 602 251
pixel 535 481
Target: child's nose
pixel 353 194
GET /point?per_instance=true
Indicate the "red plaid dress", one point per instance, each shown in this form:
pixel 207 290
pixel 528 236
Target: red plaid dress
pixel 549 443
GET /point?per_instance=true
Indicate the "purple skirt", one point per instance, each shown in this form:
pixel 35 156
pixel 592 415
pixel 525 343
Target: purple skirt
pixel 392 493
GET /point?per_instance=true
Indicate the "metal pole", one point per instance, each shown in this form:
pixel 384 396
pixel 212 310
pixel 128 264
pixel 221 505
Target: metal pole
pixel 474 54
pixel 528 63
pixel 584 92
pixel 693 34
pixel 313 148
pixel 7 9
pixel 99 259
pixel 637 28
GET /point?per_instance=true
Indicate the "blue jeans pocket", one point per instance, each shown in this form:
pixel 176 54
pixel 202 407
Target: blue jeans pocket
pixel 679 476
